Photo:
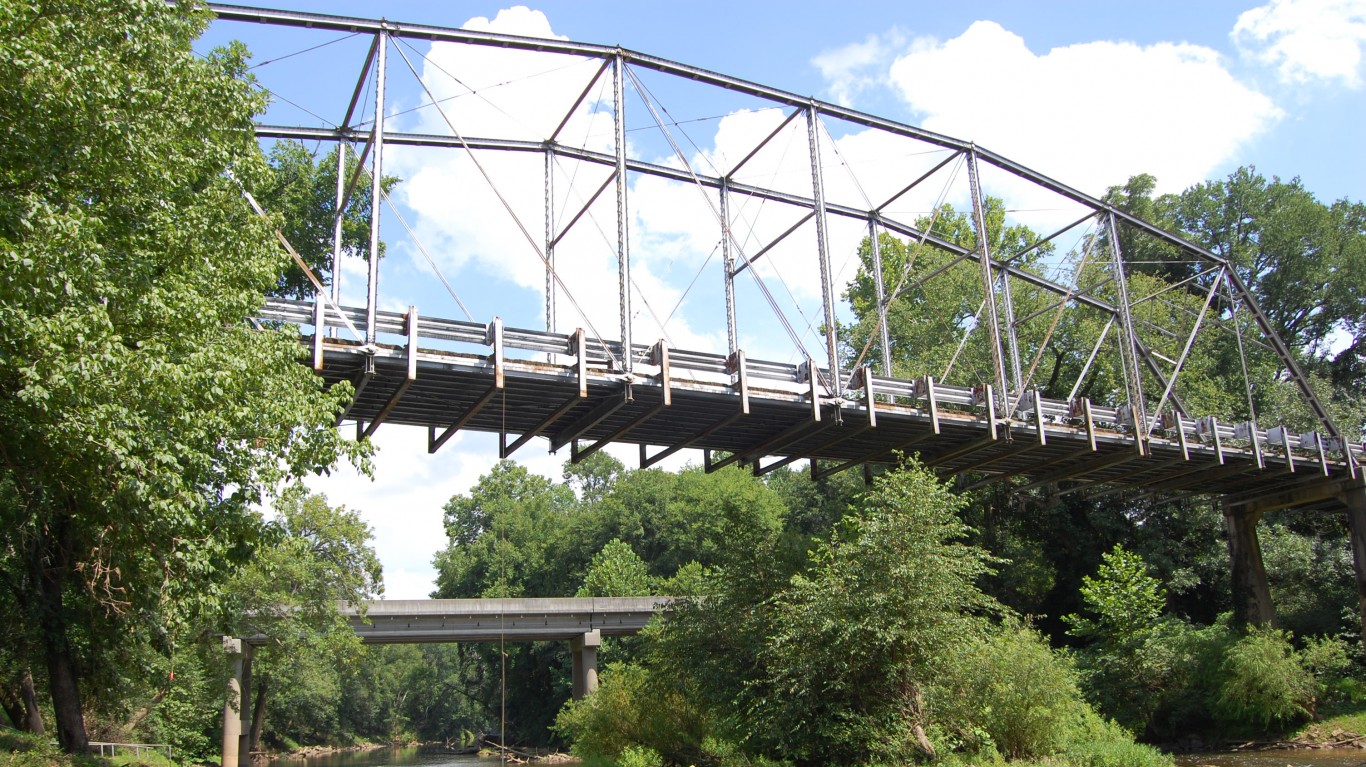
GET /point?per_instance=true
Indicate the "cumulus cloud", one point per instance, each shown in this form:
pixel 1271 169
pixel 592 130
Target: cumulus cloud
pixel 1090 114
pixel 856 67
pixel 1306 40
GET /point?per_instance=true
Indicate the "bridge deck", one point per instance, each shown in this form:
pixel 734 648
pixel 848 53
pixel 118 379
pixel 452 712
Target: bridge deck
pixel 765 415
pixel 410 621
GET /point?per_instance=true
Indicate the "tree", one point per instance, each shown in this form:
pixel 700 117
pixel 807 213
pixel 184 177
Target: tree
pixel 141 416
pixel 857 641
pixel 301 195
pixel 314 556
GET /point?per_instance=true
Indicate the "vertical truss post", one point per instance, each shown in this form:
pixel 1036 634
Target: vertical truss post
pixel 885 336
pixel 979 226
pixel 1012 342
pixel 376 187
pixel 728 261
pixel 1128 340
pixel 623 235
pixel 823 250
pixel 549 238
pixel 337 225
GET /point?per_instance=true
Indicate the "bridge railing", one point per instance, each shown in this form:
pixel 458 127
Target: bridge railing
pixel 1206 434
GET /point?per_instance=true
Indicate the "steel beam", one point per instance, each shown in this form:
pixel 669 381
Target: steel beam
pixel 376 186
pixel 623 237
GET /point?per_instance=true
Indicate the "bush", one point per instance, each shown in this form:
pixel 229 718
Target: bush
pixel 639 756
pixel 1263 683
pixel 629 711
pixel 1011 692
pixel 1097 742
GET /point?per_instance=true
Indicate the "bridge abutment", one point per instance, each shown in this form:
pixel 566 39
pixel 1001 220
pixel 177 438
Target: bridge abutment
pixel 585 665
pixel 1251 592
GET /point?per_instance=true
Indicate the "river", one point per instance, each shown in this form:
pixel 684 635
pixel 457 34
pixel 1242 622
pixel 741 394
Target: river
pixel 1299 757
pixel 389 757
pixel 427 757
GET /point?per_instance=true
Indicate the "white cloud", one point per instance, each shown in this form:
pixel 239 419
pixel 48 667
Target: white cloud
pixel 1089 115
pixel 856 67
pixel 1306 40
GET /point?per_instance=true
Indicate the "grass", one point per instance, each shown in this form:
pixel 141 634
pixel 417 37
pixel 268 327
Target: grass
pixel 1342 722
pixel 21 749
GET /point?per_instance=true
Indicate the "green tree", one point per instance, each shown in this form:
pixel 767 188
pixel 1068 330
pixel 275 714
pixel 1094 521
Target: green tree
pixel 142 417
pixel 856 643
pixel 313 557
pixel 616 571
pixel 301 196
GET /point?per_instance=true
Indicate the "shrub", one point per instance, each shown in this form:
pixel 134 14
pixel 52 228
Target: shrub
pixel 640 756
pixel 1262 682
pixel 1011 692
pixel 628 710
pixel 1095 741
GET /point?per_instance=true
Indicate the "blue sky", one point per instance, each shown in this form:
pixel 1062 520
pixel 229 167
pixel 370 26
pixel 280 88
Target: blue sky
pixel 1087 93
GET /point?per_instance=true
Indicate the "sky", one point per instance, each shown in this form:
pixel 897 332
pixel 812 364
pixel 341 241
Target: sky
pixel 1086 93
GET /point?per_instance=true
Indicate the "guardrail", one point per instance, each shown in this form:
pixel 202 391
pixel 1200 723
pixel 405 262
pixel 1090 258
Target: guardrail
pixel 1207 433
pixel 104 748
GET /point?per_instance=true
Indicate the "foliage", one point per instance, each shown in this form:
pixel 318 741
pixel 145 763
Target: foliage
pixel 142 416
pixel 1011 692
pixel 855 643
pixel 632 710
pixel 301 196
pixel 1097 742
pixel 616 571
pixel 1125 599
pixel 1262 682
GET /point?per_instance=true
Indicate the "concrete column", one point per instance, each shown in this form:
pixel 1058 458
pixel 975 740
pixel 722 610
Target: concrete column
pixel 585 667
pixel 232 703
pixel 1355 498
pixel 1251 593
pixel 244 710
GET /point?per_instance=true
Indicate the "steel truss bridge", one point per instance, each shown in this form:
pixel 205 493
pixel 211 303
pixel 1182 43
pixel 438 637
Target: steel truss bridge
pixel 583 390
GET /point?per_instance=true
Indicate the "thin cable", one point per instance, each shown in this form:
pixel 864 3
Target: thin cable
pixel 905 273
pixel 1242 357
pixel 707 198
pixel 508 207
pixel 313 278
pixel 432 262
pixel 963 344
pixel 1062 306
pixel 298 53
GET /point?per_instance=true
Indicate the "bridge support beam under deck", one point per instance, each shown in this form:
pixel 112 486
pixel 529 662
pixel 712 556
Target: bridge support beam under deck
pixel 1251 592
pixel 585 666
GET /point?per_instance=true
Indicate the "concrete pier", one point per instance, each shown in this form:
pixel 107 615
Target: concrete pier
pixel 232 703
pixel 585 667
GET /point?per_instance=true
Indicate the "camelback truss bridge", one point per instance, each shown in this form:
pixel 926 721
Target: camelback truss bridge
pixel 583 390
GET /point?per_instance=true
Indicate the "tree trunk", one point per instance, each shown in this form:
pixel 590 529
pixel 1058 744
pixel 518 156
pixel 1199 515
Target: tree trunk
pixel 14 708
pixel 61 662
pixel 142 713
pixel 32 715
pixel 258 715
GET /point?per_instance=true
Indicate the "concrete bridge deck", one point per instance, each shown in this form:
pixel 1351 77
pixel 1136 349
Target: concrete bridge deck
pixel 408 621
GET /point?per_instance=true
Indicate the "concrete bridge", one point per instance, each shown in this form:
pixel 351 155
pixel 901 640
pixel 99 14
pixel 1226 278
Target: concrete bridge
pixel 582 621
